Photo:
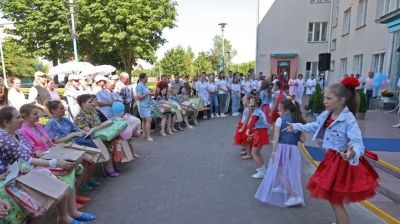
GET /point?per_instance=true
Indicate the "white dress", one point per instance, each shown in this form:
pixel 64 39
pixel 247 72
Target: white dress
pixel 202 92
pixel 310 86
pixel 300 91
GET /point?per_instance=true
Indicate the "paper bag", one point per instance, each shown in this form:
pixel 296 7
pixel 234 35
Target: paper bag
pixel 45 189
pixel 105 155
pixel 126 153
pixel 57 152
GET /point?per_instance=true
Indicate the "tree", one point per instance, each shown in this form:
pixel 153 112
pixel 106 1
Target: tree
pixel 243 67
pixel 316 101
pixel 42 25
pixel 216 53
pixel 176 61
pixel 202 63
pixel 129 29
pixel 18 60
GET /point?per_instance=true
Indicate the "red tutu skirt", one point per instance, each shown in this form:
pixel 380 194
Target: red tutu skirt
pixel 339 182
pixel 238 138
pixel 260 137
pixel 266 110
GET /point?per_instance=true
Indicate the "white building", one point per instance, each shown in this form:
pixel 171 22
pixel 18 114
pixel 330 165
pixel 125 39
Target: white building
pixel 293 33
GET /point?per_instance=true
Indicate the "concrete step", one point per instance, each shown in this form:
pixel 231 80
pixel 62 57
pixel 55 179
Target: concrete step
pixel 389 186
pixel 390 207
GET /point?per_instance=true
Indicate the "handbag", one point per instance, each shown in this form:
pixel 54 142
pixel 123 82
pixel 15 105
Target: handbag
pixel 30 205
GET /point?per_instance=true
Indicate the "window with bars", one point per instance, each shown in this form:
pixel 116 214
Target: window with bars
pixel 317 32
pixel 357 64
pixel 362 13
pixel 346 21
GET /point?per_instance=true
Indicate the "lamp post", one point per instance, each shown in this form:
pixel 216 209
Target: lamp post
pixel 2 61
pixel 72 12
pixel 222 25
pixel 229 60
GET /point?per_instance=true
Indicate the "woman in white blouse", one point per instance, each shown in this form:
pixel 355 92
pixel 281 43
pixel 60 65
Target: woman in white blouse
pixel 311 83
pixel 300 89
pixel 16 97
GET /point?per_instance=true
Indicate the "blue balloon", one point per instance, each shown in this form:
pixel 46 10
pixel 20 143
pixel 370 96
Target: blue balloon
pixel 118 108
pixel 376 85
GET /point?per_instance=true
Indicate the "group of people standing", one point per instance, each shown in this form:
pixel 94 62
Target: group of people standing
pixel 343 176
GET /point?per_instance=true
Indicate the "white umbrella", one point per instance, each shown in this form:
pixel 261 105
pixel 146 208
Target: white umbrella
pixel 71 67
pixel 100 69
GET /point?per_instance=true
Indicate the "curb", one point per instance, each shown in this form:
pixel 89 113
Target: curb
pixel 368 205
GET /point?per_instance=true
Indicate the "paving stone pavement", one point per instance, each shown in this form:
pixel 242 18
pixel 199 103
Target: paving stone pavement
pixel 197 177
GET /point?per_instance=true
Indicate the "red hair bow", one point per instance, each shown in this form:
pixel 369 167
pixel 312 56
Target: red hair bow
pixel 350 82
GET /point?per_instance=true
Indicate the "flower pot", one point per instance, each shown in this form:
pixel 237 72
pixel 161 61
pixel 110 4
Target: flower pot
pixel 385 99
pixel 361 116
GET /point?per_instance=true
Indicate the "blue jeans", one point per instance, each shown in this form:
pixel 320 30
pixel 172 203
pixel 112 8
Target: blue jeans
pixel 214 103
pixel 235 102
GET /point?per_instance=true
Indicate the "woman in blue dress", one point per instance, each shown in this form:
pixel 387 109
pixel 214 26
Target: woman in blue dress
pixel 143 96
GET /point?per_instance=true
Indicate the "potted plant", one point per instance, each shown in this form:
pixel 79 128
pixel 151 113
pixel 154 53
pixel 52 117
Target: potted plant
pixel 316 101
pixel 386 95
pixel 363 105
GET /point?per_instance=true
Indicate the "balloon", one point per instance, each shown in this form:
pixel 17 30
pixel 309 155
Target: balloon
pixel 385 84
pixel 133 122
pixel 125 134
pixel 118 108
pixel 376 85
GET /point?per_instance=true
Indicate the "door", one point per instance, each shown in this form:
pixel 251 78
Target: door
pixel 284 70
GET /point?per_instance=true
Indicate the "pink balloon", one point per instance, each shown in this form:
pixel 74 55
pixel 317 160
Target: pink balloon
pixel 125 134
pixel 385 84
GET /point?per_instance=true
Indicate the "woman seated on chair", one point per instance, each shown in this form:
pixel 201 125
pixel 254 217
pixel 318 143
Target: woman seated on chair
pixel 167 110
pixel 188 107
pixel 181 115
pixel 14 146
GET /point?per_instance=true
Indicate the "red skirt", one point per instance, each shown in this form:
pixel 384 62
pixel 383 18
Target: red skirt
pixel 266 110
pixel 260 137
pixel 238 138
pixel 339 182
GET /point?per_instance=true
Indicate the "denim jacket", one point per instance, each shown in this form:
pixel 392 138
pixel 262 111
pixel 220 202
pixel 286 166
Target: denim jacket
pixel 262 121
pixel 343 133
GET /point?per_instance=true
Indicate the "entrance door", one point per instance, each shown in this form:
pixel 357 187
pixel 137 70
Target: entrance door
pixel 284 69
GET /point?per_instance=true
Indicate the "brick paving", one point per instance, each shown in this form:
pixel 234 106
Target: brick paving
pixel 196 176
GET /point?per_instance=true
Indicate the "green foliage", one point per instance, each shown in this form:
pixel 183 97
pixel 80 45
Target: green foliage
pixel 148 72
pixel 42 25
pixel 243 67
pixel 216 53
pixel 18 60
pixel 127 30
pixel 202 64
pixel 112 32
pixel 177 61
pixel 363 102
pixel 316 101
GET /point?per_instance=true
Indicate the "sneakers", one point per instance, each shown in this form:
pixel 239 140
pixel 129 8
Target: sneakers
pixel 396 125
pixel 258 175
pixel 217 115
pixel 261 169
pixel 279 189
pixel 235 114
pixel 212 115
pixel 223 115
pixel 294 201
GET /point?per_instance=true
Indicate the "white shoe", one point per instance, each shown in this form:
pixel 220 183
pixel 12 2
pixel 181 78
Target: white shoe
pixel 261 169
pixel 258 175
pixel 223 115
pixel 212 115
pixel 279 189
pixel 294 201
pixel 396 125
pixel 217 115
pixel 235 114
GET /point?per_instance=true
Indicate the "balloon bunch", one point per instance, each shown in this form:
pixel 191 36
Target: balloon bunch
pixel 381 81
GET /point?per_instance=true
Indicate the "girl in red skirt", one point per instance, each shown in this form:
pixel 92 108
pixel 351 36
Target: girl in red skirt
pixel 240 134
pixel 278 96
pixel 257 131
pixel 265 96
pixel 344 175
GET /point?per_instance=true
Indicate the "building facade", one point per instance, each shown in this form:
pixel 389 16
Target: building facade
pixel 295 32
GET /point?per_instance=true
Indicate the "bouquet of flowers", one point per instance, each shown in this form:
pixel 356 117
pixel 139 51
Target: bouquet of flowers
pixel 387 93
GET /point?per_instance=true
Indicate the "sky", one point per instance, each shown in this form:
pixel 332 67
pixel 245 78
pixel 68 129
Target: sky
pixel 197 24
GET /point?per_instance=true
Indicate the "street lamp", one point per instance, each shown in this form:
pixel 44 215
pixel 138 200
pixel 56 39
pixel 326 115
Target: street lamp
pixel 229 60
pixel 72 12
pixel 222 25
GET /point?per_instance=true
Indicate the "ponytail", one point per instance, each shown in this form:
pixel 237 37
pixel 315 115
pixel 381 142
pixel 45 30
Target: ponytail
pixel 349 92
pixel 294 109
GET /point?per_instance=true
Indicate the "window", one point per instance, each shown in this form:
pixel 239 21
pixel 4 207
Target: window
pixel 343 67
pixel 346 21
pixel 362 13
pixel 311 68
pixel 357 64
pixel 320 1
pixel 317 32
pixel 335 13
pixel 332 66
pixel 333 45
pixel 382 8
pixel 377 62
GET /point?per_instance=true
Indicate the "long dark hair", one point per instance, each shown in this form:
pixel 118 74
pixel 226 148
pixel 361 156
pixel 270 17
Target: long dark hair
pixel 52 105
pixel 349 93
pixel 294 109
pixel 6 114
pixel 265 85
pixel 141 77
